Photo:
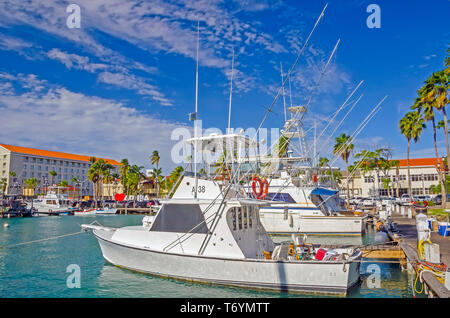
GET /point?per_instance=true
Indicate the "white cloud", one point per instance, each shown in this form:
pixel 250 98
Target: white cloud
pixel 153 26
pixel 55 118
pixel 75 61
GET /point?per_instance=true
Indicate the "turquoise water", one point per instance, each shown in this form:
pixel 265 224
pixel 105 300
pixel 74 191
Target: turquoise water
pixel 39 269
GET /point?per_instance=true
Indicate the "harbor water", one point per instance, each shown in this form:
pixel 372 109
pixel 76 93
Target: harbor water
pixel 45 268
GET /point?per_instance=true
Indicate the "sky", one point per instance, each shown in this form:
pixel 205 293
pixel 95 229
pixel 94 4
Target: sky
pixel 121 83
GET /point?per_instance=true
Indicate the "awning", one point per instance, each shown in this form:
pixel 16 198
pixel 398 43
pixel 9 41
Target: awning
pixel 323 191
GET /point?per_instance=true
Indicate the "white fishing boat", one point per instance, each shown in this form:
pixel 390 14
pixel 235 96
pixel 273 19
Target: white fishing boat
pixel 223 241
pixel 51 203
pixel 311 210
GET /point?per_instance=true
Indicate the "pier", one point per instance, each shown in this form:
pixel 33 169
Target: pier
pixel 150 210
pixel 406 237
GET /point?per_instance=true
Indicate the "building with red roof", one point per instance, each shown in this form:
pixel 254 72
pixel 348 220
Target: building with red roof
pixel 28 162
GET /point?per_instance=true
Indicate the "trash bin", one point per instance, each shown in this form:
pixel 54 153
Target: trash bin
pixel 444 228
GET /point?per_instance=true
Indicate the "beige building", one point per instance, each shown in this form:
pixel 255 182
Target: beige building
pixel 30 162
pixel 423 173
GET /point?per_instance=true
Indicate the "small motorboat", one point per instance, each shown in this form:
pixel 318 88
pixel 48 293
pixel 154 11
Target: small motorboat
pixel 89 212
pixel 106 211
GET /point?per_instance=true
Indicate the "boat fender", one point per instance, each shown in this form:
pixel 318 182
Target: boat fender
pixel 291 249
pixel 379 226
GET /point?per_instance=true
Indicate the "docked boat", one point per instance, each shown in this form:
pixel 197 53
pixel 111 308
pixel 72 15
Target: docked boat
pixel 88 212
pixel 223 241
pixel 106 211
pixel 308 209
pixel 52 204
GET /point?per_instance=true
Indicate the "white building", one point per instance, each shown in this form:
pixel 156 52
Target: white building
pixel 30 162
pixel 423 173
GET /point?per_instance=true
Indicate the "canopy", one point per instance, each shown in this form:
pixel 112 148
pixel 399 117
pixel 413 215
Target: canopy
pixel 323 191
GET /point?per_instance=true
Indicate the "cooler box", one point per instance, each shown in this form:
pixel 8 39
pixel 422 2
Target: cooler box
pixel 320 254
pixel 430 223
pixel 444 228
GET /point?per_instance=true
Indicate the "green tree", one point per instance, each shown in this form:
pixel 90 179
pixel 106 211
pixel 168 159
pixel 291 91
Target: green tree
pixel 411 126
pixel 52 174
pixel 123 170
pixel 344 147
pixel 154 158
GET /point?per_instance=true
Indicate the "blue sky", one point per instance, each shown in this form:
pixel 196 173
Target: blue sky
pixel 119 85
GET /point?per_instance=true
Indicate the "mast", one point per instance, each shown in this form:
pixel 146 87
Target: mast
pixel 231 92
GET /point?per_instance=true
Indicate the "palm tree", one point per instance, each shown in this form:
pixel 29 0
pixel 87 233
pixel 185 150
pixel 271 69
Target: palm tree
pixel 156 175
pixel 344 148
pixel 282 146
pixel 52 174
pixel 12 174
pixel 32 183
pixel 74 181
pixel 411 126
pixel 154 158
pixel 421 105
pixel 123 170
pixel 64 184
pixel 3 185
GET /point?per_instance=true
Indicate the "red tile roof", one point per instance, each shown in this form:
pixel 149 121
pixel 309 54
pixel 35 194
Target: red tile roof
pixel 420 162
pixel 53 154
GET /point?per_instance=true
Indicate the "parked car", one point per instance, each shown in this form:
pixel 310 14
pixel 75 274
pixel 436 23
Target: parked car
pixel 405 198
pixel 438 199
pixel 368 202
pixel 423 198
pixel 387 200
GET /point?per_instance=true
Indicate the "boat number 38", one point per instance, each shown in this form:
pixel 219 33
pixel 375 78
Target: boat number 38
pixel 201 189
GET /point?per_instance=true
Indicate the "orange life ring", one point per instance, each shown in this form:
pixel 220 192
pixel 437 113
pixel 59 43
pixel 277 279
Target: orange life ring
pixel 263 188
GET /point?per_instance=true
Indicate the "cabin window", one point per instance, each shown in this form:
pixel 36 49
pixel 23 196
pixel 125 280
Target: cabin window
pixel 233 218
pixel 240 218
pixel 281 197
pixel 180 218
pixel 245 217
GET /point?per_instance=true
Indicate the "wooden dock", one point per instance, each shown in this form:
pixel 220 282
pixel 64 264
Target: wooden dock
pixel 407 239
pixel 150 210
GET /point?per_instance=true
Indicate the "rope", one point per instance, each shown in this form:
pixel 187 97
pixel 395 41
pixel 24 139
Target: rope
pixel 41 240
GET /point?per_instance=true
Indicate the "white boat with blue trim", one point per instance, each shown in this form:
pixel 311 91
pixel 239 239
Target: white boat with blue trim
pixel 308 209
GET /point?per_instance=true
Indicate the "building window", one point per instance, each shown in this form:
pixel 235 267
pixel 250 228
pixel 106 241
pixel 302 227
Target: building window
pixel 32 167
pixel 25 166
pixel 24 174
pixel 26 159
pixel 39 168
pixel 369 179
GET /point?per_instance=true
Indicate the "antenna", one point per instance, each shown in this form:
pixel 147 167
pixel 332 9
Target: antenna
pixel 196 110
pixel 231 92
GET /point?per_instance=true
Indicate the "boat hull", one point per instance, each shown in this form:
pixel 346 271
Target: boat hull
pixel 274 222
pixel 336 278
